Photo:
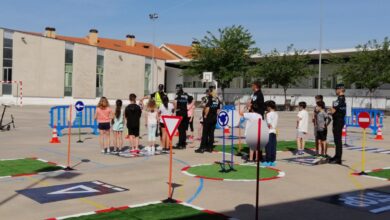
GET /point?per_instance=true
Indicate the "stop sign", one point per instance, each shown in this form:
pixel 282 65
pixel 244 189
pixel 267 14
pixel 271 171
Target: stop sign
pixel 364 120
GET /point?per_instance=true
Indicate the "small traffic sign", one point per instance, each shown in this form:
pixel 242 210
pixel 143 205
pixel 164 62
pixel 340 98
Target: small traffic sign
pixel 364 120
pixel 171 124
pixel 223 118
pixel 79 106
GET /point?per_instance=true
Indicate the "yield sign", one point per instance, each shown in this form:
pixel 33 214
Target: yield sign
pixel 171 124
pixel 71 190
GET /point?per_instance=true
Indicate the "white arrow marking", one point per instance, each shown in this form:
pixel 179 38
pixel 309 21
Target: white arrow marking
pixel 85 189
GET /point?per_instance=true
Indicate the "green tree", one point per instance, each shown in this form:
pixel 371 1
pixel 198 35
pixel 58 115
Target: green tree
pixel 283 69
pixel 226 54
pixel 369 67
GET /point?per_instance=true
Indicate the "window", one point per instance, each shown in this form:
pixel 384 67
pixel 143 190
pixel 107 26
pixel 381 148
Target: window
pixel 147 76
pixel 99 73
pixel 68 69
pixel 7 62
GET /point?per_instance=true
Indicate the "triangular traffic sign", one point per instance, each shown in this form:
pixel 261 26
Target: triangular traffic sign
pixel 171 124
pixel 71 190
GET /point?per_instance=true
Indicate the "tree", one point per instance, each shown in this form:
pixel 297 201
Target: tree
pixel 369 67
pixel 226 54
pixel 283 69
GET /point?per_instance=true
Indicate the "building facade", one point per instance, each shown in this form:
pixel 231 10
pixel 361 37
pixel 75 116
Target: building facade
pixel 56 68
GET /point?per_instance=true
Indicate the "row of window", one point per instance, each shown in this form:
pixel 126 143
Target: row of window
pixel 7 62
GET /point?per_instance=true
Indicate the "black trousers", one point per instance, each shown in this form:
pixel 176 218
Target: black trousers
pixel 182 128
pixel 208 133
pixel 270 148
pixel 337 135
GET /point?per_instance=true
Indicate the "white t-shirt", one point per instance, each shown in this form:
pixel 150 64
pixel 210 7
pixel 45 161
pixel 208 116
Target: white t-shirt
pixel 272 121
pixel 303 124
pixel 251 118
pixel 166 111
pixel 152 118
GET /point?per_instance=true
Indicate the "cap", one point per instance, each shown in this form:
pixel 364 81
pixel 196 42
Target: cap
pixel 340 86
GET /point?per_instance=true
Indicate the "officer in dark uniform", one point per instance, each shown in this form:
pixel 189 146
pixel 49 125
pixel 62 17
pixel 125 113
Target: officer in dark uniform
pixel 338 111
pixel 257 99
pixel 210 113
pixel 181 110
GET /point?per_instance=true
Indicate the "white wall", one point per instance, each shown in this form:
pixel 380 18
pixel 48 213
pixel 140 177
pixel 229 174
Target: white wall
pixel 84 71
pixel 174 76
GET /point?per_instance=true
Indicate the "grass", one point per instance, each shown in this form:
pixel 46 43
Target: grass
pixel 25 166
pixel 154 212
pixel 281 146
pixel 381 173
pixel 242 172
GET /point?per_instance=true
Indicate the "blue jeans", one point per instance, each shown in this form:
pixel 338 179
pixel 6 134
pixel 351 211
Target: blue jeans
pixel 152 132
pixel 270 148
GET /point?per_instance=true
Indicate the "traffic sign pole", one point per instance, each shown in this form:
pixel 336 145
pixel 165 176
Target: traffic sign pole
pixel 223 120
pixel 363 153
pixel 69 134
pixel 79 106
pixel 80 120
pixel 364 121
pixel 258 169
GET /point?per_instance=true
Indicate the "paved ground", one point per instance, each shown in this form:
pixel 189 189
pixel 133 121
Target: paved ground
pixel 293 197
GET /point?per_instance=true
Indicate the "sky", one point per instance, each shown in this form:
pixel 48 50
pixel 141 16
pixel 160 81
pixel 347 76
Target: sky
pixel 273 23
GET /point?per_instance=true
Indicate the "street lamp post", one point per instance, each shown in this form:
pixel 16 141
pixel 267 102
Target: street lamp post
pixel 320 48
pixel 153 17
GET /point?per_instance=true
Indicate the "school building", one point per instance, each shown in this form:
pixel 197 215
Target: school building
pixel 49 68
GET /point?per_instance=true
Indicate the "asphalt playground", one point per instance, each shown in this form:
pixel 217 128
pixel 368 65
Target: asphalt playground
pixel 100 181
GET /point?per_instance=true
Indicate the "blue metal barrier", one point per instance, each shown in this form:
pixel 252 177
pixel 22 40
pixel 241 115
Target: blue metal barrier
pixel 59 117
pixel 376 118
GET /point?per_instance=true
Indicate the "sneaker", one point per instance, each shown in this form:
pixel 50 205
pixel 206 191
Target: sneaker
pixel 272 164
pixel 265 164
pixel 103 151
pixel 159 148
pixel 199 151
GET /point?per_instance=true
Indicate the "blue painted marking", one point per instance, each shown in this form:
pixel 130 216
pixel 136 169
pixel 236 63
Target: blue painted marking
pixel 70 191
pixel 198 191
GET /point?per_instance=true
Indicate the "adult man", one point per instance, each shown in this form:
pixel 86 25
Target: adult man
pixel 210 113
pixel 257 99
pixel 338 112
pixel 181 101
pixel 157 96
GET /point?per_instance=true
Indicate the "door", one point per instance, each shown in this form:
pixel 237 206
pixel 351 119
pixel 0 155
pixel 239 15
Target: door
pixel 7 76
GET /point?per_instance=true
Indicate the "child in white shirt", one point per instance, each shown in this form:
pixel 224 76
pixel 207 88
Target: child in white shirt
pixel 272 122
pixel 302 127
pixel 251 117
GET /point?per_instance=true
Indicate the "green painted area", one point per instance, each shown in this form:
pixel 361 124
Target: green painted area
pixel 153 212
pixel 281 146
pixel 242 172
pixel 25 166
pixel 381 173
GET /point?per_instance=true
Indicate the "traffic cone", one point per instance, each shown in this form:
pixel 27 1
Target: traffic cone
pixel 226 131
pixel 54 139
pixel 344 134
pixel 379 134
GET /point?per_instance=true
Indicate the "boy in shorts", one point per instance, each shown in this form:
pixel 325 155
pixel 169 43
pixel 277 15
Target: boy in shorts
pixel 322 120
pixel 132 115
pixel 302 127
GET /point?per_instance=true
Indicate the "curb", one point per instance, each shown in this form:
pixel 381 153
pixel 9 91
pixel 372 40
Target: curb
pixel 184 170
pixel 373 177
pixel 121 208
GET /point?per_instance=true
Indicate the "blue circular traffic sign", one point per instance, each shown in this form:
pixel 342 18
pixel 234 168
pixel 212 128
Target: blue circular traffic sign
pixel 79 106
pixel 223 118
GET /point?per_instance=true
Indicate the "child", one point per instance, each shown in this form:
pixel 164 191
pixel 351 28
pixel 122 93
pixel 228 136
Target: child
pixel 191 113
pixel 118 126
pixel 322 120
pixel 317 99
pixel 103 116
pixel 251 117
pixel 302 127
pixel 151 119
pixel 272 122
pixel 165 109
pixel 132 115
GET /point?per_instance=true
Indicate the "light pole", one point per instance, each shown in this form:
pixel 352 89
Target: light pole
pixel 153 17
pixel 320 47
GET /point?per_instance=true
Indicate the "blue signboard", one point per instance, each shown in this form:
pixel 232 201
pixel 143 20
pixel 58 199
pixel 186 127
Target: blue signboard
pixel 79 106
pixel 70 191
pixel 223 118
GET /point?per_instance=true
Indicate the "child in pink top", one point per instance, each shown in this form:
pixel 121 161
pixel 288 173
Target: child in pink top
pixel 104 116
pixel 191 114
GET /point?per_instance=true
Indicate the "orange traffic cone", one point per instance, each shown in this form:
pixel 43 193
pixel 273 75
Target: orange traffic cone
pixel 344 134
pixel 379 134
pixel 54 139
pixel 226 131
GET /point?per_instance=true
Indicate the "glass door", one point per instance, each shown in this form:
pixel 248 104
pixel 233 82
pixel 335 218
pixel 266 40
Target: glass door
pixel 7 76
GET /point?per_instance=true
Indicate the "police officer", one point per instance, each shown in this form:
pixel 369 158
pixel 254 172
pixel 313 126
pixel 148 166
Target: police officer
pixel 210 113
pixel 257 99
pixel 338 112
pixel 181 101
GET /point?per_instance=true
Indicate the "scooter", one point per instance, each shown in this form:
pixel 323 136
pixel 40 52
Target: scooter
pixel 7 126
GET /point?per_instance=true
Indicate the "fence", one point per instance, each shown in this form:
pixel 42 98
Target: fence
pixel 59 117
pixel 375 115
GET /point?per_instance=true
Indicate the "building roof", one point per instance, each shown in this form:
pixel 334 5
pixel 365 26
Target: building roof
pixel 140 48
pixel 179 51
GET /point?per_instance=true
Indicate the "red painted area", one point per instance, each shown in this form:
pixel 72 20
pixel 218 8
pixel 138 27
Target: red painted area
pixel 186 168
pixel 106 210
